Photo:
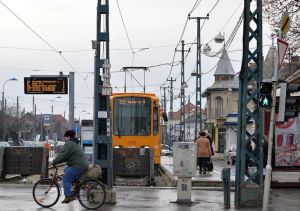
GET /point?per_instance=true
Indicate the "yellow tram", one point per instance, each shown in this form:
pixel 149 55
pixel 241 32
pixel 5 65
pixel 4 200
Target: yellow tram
pixel 136 122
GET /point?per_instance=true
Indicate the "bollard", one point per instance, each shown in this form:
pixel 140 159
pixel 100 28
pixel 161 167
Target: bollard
pixel 226 180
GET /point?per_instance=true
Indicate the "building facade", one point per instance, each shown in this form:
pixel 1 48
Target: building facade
pixel 222 98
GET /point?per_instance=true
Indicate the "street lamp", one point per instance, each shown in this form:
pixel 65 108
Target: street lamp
pixel 2 106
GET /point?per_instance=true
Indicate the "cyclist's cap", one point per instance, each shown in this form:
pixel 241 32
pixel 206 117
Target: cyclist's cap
pixel 69 133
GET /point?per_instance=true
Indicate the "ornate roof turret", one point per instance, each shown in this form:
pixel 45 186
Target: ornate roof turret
pixel 224 65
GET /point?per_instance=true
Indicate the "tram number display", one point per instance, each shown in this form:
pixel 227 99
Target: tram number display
pixel 131 101
pixel 46 85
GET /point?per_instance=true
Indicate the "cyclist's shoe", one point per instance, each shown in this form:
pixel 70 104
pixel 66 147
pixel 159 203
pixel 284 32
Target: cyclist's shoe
pixel 68 199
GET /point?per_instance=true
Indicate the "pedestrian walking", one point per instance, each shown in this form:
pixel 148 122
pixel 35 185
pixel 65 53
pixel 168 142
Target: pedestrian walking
pixel 203 152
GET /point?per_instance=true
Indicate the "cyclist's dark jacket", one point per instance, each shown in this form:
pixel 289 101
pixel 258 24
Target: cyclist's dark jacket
pixel 72 153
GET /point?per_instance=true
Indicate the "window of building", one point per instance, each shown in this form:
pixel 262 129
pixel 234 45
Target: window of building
pixel 219 107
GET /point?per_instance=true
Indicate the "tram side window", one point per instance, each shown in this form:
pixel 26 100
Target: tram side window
pixel 155 120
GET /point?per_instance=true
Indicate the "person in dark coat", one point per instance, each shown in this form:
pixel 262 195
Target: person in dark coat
pixel 211 143
pixel 203 152
pixel 73 154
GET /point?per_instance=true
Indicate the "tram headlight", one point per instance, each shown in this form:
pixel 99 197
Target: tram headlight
pixel 146 147
pixel 117 147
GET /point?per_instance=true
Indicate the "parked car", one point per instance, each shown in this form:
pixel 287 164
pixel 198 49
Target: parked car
pixel 166 150
pixel 231 158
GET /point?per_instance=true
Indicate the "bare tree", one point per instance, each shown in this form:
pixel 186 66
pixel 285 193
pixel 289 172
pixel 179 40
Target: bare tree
pixel 273 11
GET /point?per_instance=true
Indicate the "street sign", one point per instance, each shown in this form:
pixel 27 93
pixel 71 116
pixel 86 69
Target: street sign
pixel 282 47
pixel 46 118
pixel 285 24
pixel 77 129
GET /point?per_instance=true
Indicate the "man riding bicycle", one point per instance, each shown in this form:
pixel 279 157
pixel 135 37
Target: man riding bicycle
pixel 71 153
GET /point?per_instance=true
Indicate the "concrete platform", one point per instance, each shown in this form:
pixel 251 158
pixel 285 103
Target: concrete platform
pixel 212 179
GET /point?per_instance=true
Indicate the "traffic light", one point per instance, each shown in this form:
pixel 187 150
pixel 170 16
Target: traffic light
pixel 265 95
pixel 289 106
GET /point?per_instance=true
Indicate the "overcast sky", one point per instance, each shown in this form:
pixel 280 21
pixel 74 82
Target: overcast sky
pixel 70 25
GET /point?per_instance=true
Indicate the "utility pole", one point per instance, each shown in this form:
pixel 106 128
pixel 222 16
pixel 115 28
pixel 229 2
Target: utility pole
pixel 33 103
pixel 165 110
pixel 171 126
pixel 189 119
pixel 42 133
pixel 182 94
pixel 34 133
pixel 18 116
pixel 198 75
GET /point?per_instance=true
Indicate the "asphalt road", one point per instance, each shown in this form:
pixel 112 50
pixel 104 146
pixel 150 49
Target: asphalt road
pixel 19 198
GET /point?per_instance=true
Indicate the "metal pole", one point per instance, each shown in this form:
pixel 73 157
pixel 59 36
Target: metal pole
pixel 182 95
pixel 71 99
pixel 144 81
pixel 34 121
pixel 125 82
pixel 33 103
pixel 42 134
pixel 165 110
pixel 2 115
pixel 51 122
pixel 189 119
pixel 171 129
pixel 198 76
pixel 4 132
pixel 18 116
pixel 267 183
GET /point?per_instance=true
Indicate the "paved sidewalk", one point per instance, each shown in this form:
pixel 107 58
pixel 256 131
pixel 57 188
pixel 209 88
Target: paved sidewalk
pixel 210 179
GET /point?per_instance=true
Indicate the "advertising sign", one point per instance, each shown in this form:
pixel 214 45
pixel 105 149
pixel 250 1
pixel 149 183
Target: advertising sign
pixel 287 143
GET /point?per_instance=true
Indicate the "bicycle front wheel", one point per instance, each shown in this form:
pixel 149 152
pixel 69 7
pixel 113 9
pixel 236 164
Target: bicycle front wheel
pixel 92 194
pixel 46 192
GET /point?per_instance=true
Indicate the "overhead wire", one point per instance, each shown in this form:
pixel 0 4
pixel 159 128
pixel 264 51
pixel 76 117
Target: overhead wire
pixel 48 44
pixel 84 50
pixel 230 39
pixel 203 23
pixel 214 6
pixel 196 4
pixel 123 22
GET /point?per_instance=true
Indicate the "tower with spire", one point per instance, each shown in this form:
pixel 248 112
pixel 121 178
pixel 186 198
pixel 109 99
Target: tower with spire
pixel 221 97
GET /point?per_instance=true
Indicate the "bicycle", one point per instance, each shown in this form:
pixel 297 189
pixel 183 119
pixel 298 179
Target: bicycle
pixel 90 192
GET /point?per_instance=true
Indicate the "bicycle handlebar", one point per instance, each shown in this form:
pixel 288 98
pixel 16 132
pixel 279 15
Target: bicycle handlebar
pixel 55 166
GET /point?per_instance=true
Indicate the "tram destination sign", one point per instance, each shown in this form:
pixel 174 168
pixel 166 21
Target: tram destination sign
pixel 46 85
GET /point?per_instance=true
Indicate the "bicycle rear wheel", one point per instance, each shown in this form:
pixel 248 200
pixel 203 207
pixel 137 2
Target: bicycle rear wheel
pixel 92 194
pixel 46 193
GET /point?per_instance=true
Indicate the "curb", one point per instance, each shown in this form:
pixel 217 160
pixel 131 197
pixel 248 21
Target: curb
pixel 196 183
pixel 172 179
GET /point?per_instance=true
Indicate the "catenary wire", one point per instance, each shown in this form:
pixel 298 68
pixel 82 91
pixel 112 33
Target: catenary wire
pixel 47 43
